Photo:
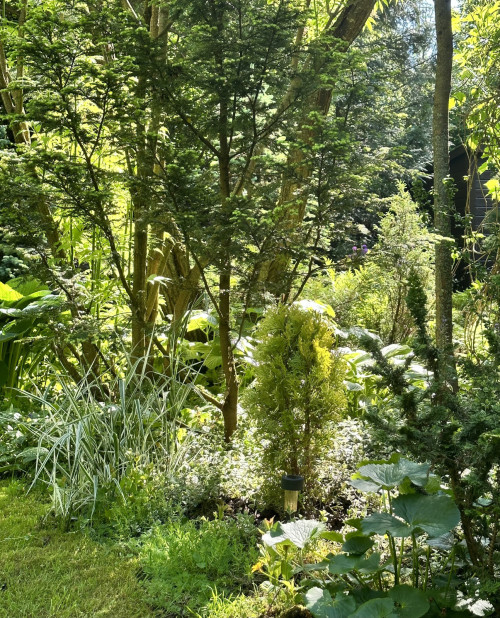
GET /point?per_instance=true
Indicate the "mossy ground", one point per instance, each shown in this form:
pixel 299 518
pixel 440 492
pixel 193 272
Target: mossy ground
pixel 47 573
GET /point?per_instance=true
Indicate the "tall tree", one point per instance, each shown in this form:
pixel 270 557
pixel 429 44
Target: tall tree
pixel 442 194
pixel 203 117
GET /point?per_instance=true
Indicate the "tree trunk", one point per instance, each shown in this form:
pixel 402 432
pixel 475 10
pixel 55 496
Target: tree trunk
pixel 230 404
pixel 345 30
pixel 442 198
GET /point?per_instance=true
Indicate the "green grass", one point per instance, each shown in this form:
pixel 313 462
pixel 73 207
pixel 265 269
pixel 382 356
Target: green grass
pixel 46 573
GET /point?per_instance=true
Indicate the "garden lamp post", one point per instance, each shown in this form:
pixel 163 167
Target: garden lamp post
pixel 292 484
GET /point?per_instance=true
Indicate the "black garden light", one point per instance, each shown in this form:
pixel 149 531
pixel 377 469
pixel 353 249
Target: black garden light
pixel 292 484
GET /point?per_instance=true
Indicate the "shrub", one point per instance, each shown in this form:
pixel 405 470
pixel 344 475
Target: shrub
pixel 372 292
pixel 298 393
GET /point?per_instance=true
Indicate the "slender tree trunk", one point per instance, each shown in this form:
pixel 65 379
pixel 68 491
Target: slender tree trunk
pixel 139 285
pixel 230 404
pixel 442 198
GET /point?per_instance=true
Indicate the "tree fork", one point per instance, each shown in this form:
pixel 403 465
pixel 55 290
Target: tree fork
pixel 346 28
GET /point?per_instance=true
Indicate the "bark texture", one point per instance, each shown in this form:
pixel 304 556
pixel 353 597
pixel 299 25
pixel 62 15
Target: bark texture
pixel 442 197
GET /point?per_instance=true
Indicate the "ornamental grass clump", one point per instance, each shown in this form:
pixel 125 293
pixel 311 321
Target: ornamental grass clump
pixel 298 392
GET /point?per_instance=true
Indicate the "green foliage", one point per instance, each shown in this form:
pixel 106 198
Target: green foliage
pixel 222 605
pixel 50 574
pixel 400 67
pixel 18 441
pixel 476 92
pixel 298 393
pixel 24 309
pixel 356 583
pixel 186 562
pixel 92 437
pixel 364 386
pixel 372 294
pixel 455 431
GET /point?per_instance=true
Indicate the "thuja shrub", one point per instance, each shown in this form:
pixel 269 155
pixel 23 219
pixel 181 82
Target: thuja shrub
pixel 298 393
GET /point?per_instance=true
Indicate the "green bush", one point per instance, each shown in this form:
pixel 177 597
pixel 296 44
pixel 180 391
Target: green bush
pixel 371 293
pixel 186 562
pixel 298 393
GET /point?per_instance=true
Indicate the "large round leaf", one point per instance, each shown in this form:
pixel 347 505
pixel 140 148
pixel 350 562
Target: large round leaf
pixel 390 475
pixel 298 532
pixel 384 523
pixel 357 544
pixel 410 602
pixel 434 514
pixel 321 605
pixel 376 608
pixel 364 485
pixel 343 563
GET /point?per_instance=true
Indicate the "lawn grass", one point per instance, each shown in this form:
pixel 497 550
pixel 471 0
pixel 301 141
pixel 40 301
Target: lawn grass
pixel 46 573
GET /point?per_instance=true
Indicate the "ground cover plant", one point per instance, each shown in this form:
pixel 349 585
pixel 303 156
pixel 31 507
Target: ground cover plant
pixel 186 563
pixel 413 573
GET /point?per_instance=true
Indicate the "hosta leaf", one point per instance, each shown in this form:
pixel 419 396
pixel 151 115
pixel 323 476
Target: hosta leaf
pixel 353 386
pixel 315 305
pixel 434 514
pixel 298 532
pixel 213 361
pixel 358 357
pixel 321 605
pixel 396 349
pixel 201 319
pixel 410 602
pixel 7 293
pixel 390 475
pixel 27 286
pixel 384 523
pixel 376 608
pixel 357 331
pixel 10 312
pixel 6 336
pixel 17 328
